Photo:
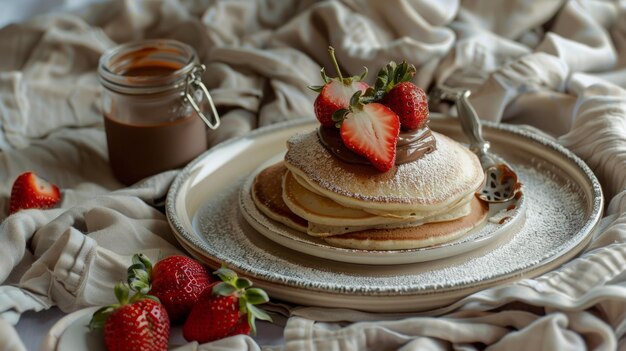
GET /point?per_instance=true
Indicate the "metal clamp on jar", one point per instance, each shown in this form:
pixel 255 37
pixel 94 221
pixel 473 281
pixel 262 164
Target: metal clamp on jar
pixel 152 99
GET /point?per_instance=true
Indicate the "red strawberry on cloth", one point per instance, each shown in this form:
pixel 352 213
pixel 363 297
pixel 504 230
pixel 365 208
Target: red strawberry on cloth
pixel 394 90
pixel 177 281
pixel 31 191
pixel 335 93
pixel 370 130
pixel 136 323
pixel 228 309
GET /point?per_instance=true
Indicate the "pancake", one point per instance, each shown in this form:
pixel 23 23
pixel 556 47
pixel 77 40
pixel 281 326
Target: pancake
pixel 414 237
pixel 391 216
pixel 267 196
pixel 327 217
pixel 321 230
pixel 435 183
pixel 322 210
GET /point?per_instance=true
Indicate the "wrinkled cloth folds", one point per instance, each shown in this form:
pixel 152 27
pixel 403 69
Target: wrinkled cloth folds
pixel 555 66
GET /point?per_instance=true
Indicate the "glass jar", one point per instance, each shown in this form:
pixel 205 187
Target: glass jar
pixel 155 107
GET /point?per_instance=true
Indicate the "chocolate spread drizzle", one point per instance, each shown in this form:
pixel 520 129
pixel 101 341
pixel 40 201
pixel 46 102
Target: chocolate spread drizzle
pixel 411 145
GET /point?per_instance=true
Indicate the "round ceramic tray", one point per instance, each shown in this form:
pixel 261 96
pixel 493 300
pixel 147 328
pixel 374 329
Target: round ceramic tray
pixel 563 203
pixel 503 220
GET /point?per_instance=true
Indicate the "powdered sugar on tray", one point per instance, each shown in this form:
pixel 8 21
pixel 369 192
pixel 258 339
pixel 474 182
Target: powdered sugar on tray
pixel 555 215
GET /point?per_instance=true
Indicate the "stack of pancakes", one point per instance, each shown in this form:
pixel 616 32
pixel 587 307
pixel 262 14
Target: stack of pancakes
pixel 417 204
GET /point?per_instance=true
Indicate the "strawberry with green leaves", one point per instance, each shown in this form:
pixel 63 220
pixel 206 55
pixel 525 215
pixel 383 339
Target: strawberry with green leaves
pixel 137 323
pixel 230 308
pixel 335 93
pixel 31 191
pixel 177 281
pixel 394 90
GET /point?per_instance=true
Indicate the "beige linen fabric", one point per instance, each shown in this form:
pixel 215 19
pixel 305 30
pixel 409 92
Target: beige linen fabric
pixel 74 255
pixel 558 66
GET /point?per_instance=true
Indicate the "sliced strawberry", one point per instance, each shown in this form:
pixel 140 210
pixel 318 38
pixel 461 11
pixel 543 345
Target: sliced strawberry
pixel 335 95
pixel 409 102
pixel 31 191
pixel 372 131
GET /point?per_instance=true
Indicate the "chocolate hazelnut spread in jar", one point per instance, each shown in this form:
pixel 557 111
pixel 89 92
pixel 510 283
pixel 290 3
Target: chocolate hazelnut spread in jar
pixel 155 107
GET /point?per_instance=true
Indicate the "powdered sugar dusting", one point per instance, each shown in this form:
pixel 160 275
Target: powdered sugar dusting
pixel 555 215
pixel 561 214
pixel 441 176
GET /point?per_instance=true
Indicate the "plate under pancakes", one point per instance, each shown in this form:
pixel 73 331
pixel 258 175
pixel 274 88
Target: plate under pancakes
pixel 266 192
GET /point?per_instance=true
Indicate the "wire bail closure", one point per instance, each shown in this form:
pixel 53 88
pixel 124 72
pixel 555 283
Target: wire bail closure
pixel 192 84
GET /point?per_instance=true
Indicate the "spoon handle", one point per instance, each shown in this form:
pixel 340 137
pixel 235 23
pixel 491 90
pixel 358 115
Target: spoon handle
pixel 473 130
pixel 471 124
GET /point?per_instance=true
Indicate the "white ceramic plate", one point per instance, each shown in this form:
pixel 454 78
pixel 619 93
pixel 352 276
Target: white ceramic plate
pixel 489 231
pixel 563 203
pixel 72 333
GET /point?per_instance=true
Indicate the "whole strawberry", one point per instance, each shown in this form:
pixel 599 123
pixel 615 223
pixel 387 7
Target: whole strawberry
pixel 335 93
pixel 136 323
pixel 409 102
pixel 177 281
pixel 31 191
pixel 406 99
pixel 228 309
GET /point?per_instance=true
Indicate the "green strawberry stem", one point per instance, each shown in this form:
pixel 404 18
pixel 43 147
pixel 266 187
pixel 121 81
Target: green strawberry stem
pixel 331 52
pixel 356 104
pixel 139 273
pixel 122 294
pixel 390 76
pixel 248 296
pixel 355 101
pixel 138 280
pixel 339 116
pixel 345 81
